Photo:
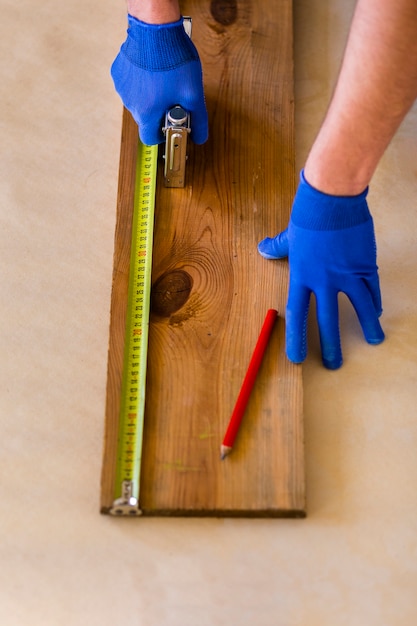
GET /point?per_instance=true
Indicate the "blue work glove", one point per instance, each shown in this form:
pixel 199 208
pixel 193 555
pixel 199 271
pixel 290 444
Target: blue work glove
pixel 157 68
pixel 330 244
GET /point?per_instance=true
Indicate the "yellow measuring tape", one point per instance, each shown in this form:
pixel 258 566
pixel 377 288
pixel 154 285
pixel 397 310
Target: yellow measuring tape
pixel 129 450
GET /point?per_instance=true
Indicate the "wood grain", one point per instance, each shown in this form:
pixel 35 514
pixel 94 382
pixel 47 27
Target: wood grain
pixel 211 289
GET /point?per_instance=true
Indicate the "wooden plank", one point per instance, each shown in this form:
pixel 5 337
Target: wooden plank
pixel 211 289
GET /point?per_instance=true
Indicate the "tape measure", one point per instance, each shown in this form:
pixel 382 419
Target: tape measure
pixel 132 408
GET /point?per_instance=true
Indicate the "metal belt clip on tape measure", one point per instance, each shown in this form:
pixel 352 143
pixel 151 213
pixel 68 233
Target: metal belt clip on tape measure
pixel 176 129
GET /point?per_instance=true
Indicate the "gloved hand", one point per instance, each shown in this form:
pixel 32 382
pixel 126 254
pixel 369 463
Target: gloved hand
pixel 158 67
pixel 330 244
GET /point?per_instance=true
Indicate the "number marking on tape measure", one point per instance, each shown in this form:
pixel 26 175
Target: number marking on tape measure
pixel 132 407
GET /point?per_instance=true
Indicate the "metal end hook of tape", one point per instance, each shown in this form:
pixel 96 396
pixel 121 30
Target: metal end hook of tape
pixel 127 505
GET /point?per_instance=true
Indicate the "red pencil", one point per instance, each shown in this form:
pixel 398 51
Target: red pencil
pixel 248 383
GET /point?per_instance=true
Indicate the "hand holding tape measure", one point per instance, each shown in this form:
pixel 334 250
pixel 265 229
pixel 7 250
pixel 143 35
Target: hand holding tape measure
pixel 158 67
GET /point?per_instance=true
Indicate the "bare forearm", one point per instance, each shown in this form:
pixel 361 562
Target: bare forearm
pixel 376 88
pixel 154 11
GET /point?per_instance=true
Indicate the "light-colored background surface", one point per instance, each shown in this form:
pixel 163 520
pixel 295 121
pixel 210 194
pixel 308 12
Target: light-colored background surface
pixel 353 562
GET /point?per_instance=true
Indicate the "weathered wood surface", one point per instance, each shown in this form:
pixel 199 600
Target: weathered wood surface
pixel 211 289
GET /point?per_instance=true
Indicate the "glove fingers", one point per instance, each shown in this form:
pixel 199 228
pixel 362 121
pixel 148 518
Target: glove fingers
pixel 192 99
pixel 296 323
pixel 274 247
pixel 199 124
pixel 363 302
pixel 150 135
pixel 328 323
pixel 375 291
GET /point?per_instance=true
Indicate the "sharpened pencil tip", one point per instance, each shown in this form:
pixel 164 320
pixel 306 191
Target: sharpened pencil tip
pixel 224 451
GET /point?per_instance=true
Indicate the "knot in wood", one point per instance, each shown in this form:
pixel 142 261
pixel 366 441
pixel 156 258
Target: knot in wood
pixel 224 11
pixel 170 292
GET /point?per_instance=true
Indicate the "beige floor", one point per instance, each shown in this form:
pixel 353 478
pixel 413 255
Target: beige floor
pixel 353 562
